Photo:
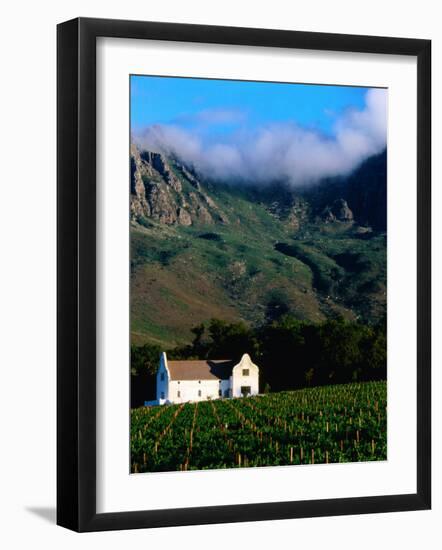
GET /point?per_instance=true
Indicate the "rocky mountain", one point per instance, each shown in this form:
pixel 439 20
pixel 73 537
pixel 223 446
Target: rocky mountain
pixel 364 191
pixel 337 211
pixel 168 192
pixel 165 190
pixel 203 249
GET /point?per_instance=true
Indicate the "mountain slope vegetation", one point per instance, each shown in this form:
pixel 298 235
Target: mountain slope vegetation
pixel 205 249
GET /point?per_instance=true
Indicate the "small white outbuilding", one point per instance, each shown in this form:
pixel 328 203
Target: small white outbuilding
pixel 198 380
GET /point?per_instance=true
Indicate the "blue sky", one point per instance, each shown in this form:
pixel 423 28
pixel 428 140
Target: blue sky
pixel 250 131
pixel 163 100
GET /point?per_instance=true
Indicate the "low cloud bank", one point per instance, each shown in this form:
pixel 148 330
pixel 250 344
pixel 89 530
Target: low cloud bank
pixel 282 151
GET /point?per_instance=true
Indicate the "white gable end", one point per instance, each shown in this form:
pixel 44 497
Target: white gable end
pixel 245 378
pixel 163 380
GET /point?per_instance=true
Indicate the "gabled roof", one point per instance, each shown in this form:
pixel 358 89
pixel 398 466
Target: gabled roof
pixel 218 369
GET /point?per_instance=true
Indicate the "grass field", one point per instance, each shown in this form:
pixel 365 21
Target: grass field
pixel 342 423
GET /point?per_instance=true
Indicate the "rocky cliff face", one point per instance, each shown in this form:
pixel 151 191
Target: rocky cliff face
pixel 338 211
pixel 166 191
pixel 289 208
pixel 364 192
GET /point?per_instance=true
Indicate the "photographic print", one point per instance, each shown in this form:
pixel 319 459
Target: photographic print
pixel 258 274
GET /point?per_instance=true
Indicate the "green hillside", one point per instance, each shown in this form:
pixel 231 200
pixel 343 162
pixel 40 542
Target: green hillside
pixel 232 255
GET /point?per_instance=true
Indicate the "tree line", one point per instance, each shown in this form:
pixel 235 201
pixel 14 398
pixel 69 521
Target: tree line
pixel 290 353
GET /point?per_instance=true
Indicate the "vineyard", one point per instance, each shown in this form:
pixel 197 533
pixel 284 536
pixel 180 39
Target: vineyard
pixel 342 423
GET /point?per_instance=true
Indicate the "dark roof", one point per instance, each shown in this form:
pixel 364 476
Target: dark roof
pixel 218 369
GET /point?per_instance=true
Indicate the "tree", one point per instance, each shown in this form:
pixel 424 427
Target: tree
pixel 230 340
pixel 277 305
pixel 309 374
pixel 144 359
pixel 198 348
pixel 144 365
pixel 339 351
pixel 374 354
pixel 281 345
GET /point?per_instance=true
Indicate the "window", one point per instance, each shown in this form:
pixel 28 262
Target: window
pixel 199 393
pixel 245 372
pixel 245 390
pixel 162 395
pixel 162 377
pixel 199 381
pixel 178 394
pixel 220 393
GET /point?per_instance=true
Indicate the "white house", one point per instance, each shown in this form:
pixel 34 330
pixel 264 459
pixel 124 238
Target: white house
pixel 196 380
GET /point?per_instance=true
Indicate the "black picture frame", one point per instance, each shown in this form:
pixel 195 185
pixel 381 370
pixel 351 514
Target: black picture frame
pixel 76 273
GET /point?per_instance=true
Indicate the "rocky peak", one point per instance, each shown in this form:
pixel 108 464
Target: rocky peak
pixel 166 191
pixel 298 213
pixel 189 176
pixel 161 165
pixel 287 207
pixel 337 211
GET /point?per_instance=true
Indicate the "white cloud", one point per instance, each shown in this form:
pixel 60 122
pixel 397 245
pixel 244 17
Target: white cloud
pixel 283 151
pixel 220 116
pixel 210 117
